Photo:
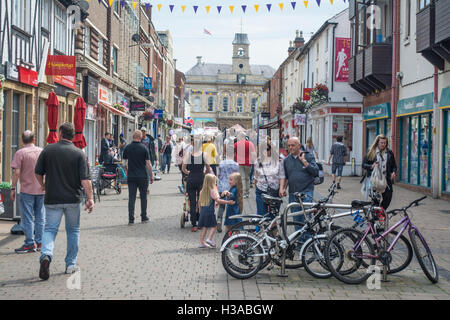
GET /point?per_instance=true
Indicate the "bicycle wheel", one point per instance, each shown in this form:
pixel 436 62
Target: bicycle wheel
pixel 246 226
pixel 313 258
pixel 238 257
pixel 354 262
pixel 424 256
pixel 401 255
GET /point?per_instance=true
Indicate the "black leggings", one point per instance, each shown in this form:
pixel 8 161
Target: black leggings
pixel 193 187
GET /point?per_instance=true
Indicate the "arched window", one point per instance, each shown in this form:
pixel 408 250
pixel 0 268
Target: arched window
pixel 239 105
pixel 210 104
pixel 197 104
pixel 225 104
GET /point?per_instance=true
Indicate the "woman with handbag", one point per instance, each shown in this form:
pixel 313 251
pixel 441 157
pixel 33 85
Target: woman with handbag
pixel 268 174
pixel 380 157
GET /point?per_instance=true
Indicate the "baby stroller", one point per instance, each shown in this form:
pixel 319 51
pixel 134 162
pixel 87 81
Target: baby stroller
pixel 109 178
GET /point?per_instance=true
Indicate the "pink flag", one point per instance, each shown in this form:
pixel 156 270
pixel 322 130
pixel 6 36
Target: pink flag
pixel 207 32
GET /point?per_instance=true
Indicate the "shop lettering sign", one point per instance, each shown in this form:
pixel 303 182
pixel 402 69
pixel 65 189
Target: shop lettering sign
pixel 379 111
pixel 419 104
pixel 61 66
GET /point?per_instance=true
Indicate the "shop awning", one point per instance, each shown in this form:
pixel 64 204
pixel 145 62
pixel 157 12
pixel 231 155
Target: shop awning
pixel 415 105
pixel 270 125
pixel 445 99
pixel 115 111
pixel 379 111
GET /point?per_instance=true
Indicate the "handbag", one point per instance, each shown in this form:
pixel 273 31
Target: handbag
pixel 321 177
pixel 378 180
pixel 270 191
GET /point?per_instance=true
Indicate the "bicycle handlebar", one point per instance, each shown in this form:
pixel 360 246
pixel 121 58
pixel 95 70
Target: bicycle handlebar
pixel 415 202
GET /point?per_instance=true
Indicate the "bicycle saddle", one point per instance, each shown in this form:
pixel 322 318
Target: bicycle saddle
pixel 271 200
pixel 358 204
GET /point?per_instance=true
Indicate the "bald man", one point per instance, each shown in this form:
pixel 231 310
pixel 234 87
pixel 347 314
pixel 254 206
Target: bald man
pixel 300 169
pixel 31 200
pixel 139 173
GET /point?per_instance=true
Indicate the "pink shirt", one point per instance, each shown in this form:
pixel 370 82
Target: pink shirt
pixel 25 159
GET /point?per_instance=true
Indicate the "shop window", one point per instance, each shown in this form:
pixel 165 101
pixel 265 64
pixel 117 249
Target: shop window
pixel 404 161
pixel 446 153
pixel 371 133
pixel 414 158
pixel 210 104
pixel 343 126
pixel 425 151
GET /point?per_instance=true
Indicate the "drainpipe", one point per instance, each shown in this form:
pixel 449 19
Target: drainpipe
pixel 435 178
pixel 333 59
pixel 395 70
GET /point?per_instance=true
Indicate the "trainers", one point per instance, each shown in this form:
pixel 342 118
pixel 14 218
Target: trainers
pixel 26 249
pixel 194 229
pixel 219 227
pixel 145 220
pixel 204 245
pixel 38 246
pixel 72 269
pixel 211 243
pixel 339 186
pixel 44 271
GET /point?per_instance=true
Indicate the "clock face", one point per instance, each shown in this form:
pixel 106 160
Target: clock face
pixel 241 52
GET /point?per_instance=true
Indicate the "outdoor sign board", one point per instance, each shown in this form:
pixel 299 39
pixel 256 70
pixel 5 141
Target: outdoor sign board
pixel 104 94
pixel 148 83
pixel 28 76
pixel 379 111
pixel 67 81
pixel 341 59
pixel 137 106
pixel 415 105
pixel 158 114
pixel 61 66
pixel 11 72
pixel 90 90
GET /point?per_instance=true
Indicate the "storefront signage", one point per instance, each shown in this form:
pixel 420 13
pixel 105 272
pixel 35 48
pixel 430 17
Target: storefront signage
pixel 341 58
pixel 196 91
pixel 28 76
pixel 11 72
pixel 90 114
pixel 300 119
pixel 158 114
pixel 345 110
pixel 90 90
pixel 379 111
pixel 61 66
pixel 419 104
pixel 137 106
pixel 104 94
pixel 148 83
pixel 445 98
pixel 67 81
pixel 307 94
pixel 203 119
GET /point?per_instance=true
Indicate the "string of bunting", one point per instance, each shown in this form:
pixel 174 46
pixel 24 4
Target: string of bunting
pixel 208 8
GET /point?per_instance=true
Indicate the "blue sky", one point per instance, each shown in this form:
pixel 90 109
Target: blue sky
pixel 269 32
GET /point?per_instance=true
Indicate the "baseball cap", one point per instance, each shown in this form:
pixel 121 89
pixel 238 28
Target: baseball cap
pixel 143 129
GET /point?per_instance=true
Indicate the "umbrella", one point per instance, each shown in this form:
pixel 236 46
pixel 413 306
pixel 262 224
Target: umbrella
pixel 78 121
pixel 52 104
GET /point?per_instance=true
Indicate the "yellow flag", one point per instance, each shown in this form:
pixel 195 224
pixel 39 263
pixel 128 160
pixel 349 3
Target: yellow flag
pixel 306 3
pixel 183 8
pixel 231 9
pixel 111 2
pixel 134 3
pixel 256 7
pixel 281 6
pixel 207 9
pixel 159 7
pixel 331 1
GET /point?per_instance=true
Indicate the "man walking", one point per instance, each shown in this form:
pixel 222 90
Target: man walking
pixel 338 152
pixel 166 152
pixel 139 172
pixel 66 173
pixel 31 200
pixel 105 147
pixel 300 169
pixel 245 155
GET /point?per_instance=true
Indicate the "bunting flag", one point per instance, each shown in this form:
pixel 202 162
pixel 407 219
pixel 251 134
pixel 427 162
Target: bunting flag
pixel 244 7
pixel 147 6
pixel 134 5
pixel 293 5
pixel 281 6
pixel 231 9
pixel 331 1
pixel 183 8
pixel 171 7
pixel 159 7
pixel 268 6
pixel 306 3
pixel 99 1
pixel 318 2
pixel 207 9
pixel 122 3
pixel 256 7
pixel 219 8
pixel 195 8
pixel 111 2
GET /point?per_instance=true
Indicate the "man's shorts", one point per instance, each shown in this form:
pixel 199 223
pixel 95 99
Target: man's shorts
pixel 338 167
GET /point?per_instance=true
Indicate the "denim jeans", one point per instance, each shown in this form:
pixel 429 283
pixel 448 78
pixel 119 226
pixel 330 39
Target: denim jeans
pixel 53 215
pixel 33 217
pixel 261 206
pixel 301 218
pixel 133 185
pixel 166 159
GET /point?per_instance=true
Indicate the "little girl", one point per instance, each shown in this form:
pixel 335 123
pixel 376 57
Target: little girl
pixel 207 221
pixel 235 194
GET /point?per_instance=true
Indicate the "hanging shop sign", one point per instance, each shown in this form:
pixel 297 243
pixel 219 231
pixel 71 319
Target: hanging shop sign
pixel 28 76
pixel 415 105
pixel 104 94
pixel 90 90
pixel 379 111
pixel 300 119
pixel 137 106
pixel 341 58
pixel 67 81
pixel 61 66
pixel 158 114
pixel 148 83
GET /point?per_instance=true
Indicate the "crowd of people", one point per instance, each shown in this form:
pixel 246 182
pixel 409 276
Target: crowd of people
pixel 216 174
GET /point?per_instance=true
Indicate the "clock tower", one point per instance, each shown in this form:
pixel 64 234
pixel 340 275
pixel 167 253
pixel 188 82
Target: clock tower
pixel 241 58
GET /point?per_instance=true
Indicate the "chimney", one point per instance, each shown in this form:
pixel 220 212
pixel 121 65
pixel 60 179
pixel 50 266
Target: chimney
pixel 291 48
pixel 299 40
pixel 199 59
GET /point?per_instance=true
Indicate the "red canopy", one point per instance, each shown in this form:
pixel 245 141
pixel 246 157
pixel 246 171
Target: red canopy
pixel 52 104
pixel 78 121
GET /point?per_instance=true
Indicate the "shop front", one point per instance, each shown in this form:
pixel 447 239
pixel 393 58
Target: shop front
pixel 415 161
pixel 377 120
pixel 444 105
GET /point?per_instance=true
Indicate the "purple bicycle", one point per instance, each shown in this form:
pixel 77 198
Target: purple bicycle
pixel 357 252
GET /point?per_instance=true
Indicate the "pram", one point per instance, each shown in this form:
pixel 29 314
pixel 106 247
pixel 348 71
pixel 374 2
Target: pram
pixel 109 178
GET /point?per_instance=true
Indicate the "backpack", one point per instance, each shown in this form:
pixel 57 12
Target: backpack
pixel 320 178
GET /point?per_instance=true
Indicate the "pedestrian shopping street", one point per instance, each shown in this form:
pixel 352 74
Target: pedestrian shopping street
pixel 159 260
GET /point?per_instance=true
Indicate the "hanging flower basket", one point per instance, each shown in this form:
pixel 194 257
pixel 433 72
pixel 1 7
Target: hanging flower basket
pixel 148 115
pixel 170 123
pixel 119 107
pixel 300 107
pixel 319 94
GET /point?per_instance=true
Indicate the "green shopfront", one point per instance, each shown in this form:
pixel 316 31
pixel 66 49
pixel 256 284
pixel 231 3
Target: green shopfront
pixel 444 105
pixel 415 115
pixel 377 121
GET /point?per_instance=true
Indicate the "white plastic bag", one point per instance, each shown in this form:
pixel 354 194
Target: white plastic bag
pixel 378 180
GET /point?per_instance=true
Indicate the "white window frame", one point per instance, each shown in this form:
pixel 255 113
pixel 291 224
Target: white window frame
pixel 87 42
pixel 101 48
pixel 60 34
pixel 46 14
pixel 21 17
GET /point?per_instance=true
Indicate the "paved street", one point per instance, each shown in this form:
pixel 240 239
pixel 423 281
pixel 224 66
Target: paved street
pixel 159 260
